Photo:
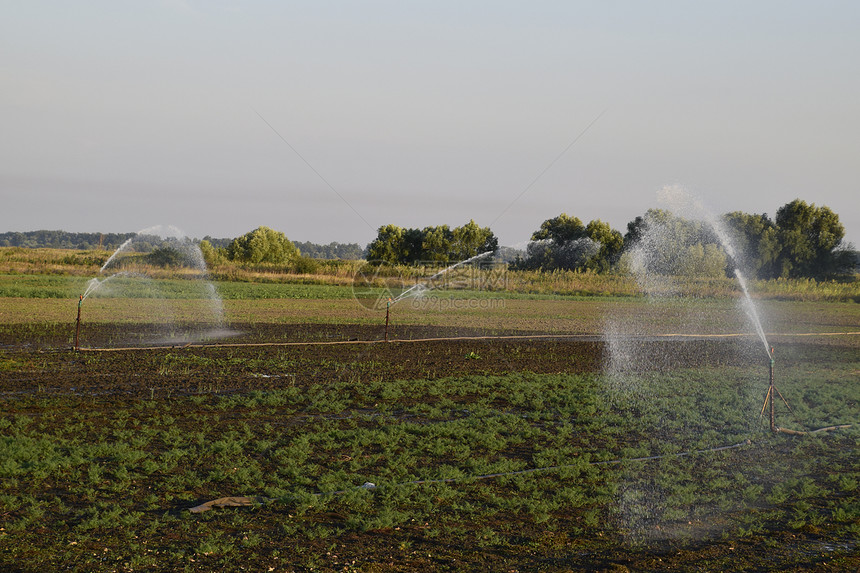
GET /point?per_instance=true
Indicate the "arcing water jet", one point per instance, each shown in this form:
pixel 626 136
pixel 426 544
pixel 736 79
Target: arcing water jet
pixel 752 313
pixel 132 263
pixel 421 287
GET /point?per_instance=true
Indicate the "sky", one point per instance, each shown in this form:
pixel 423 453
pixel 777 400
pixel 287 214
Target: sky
pixel 326 120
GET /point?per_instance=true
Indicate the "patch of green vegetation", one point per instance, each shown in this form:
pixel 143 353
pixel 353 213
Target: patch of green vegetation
pixel 40 286
pixel 113 484
pixel 49 286
pixel 256 291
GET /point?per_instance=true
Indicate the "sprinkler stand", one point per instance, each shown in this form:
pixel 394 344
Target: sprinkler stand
pixel 771 392
pixel 771 396
pixel 78 323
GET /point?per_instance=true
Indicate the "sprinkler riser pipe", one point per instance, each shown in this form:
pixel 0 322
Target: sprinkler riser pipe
pixel 78 324
pixel 387 313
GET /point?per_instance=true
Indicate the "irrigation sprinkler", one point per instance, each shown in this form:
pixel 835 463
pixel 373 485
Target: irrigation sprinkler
pixel 769 396
pixel 78 324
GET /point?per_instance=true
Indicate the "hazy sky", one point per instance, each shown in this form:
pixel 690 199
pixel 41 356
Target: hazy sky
pixel 116 116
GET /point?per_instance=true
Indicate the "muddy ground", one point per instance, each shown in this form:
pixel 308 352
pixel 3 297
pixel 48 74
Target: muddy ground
pixel 134 360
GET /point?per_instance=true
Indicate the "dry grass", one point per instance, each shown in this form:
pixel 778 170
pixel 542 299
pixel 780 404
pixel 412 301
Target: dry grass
pixel 16 260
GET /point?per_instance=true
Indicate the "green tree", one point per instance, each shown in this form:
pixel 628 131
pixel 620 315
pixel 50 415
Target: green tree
pixel 811 240
pixel 556 245
pixel 702 260
pixel 564 242
pixel 389 246
pixel 610 241
pixel 471 240
pixel 560 229
pixel 397 246
pixel 756 242
pixel 665 244
pixel 436 244
pixel 439 244
pixel 165 256
pixel 262 245
pixel 413 246
pixel 213 256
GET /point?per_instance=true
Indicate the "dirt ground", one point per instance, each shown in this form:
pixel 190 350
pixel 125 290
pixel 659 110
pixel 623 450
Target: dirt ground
pixel 307 351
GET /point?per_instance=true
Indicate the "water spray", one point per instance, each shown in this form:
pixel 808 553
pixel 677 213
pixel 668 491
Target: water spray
pixel 78 323
pixel 421 287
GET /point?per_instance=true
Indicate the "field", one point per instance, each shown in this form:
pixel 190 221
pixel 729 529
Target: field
pixel 489 434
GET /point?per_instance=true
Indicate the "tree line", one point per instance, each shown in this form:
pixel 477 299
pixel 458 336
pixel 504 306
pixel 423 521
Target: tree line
pixel 802 241
pixel 111 241
pixel 333 250
pixel 63 240
pixel 440 244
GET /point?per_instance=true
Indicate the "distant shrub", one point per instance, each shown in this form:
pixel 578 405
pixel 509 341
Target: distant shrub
pixel 306 266
pixel 165 257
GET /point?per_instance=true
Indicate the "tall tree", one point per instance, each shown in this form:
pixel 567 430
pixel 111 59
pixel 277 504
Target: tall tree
pixel 811 240
pixel 389 246
pixel 436 244
pixel 662 243
pixel 471 240
pixel 756 242
pixel 560 229
pixel 439 244
pixel 564 242
pixel 610 242
pixel 413 247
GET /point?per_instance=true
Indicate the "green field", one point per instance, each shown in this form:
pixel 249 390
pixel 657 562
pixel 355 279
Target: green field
pixel 105 483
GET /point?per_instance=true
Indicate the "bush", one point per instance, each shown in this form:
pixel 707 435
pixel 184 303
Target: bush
pixel 262 245
pixel 306 266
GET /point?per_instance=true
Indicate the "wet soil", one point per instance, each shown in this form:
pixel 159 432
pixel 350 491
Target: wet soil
pixel 259 357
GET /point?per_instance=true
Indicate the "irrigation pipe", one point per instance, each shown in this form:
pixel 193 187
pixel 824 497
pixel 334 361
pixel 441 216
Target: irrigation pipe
pixel 801 433
pixel 585 337
pixel 241 501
